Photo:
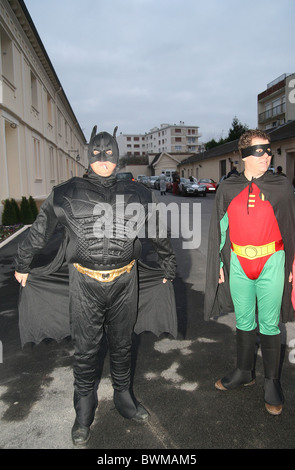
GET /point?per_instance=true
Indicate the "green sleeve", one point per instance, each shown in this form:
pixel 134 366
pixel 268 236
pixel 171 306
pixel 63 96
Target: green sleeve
pixel 223 229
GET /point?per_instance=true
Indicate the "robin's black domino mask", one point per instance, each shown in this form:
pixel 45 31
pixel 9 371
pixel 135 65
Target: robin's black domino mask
pixel 256 150
pixel 103 147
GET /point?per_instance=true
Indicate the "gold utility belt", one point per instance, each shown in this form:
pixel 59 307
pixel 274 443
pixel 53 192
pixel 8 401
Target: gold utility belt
pixel 253 252
pixel 105 276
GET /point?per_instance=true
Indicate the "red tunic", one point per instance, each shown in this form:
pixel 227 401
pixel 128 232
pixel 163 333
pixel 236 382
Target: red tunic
pixel 252 222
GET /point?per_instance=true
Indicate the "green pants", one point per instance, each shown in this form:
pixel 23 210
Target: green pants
pixel 267 289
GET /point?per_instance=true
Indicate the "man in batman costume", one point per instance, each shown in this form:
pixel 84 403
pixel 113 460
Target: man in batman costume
pixel 249 264
pixel 101 250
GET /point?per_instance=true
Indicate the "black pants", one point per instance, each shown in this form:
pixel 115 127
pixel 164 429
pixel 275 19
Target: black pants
pixel 96 307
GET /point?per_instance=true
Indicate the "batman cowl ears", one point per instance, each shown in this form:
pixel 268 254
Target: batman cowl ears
pixel 103 147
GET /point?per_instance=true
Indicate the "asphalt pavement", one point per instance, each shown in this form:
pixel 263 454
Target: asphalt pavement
pixel 173 378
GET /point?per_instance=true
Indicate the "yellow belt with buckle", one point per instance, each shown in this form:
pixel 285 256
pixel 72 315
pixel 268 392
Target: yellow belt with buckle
pixel 252 252
pixel 104 276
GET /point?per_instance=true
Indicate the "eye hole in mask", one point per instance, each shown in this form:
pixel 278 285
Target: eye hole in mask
pixel 97 152
pixel 256 150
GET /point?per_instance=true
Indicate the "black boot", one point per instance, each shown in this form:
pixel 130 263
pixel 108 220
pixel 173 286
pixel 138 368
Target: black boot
pixel 85 406
pixel 128 407
pixel 271 354
pixel 244 374
pixel 80 433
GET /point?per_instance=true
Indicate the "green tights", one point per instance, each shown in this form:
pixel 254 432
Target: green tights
pixel 267 289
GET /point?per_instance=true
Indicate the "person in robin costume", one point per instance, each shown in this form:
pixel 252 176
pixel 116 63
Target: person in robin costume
pixel 101 251
pixel 249 264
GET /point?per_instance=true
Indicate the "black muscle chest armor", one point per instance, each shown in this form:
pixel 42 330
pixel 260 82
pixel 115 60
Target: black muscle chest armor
pixel 95 218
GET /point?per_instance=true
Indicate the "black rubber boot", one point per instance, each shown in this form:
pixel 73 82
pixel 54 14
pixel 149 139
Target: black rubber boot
pixel 85 406
pixel 128 407
pixel 271 354
pixel 244 374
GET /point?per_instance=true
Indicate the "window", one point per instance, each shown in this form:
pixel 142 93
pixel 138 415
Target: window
pixel 37 159
pixel 7 56
pixel 276 104
pixel 52 164
pixel 34 91
pixel 49 110
pixel 59 122
pixel 66 132
pixel 61 166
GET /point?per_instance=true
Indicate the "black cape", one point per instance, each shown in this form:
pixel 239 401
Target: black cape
pixel 278 191
pixel 44 302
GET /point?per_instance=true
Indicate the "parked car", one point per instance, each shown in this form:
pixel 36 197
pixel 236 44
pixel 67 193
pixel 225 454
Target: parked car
pixel 190 187
pixel 145 180
pixel 153 180
pixel 139 178
pixel 127 175
pixel 209 183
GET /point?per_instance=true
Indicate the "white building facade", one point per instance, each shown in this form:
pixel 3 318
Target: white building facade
pixel 173 139
pixel 166 138
pixel 41 142
pixel 131 145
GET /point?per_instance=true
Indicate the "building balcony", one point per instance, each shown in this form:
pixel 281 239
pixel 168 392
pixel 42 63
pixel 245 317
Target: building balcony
pixel 275 112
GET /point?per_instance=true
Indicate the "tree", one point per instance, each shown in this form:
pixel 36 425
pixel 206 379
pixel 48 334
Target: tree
pixel 26 214
pixel 33 206
pixel 213 143
pixel 9 215
pixel 236 130
pixel 234 133
pixel 15 208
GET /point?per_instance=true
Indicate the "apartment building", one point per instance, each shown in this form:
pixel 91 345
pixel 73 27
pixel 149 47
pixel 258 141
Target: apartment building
pixel 166 138
pixel 131 145
pixel 276 104
pixel 41 142
pixel 173 138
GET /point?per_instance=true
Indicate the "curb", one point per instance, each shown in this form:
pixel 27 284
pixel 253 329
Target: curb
pixel 9 239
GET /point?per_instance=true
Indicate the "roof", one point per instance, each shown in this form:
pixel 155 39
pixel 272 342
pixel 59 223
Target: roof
pixel 223 149
pixel 158 157
pixel 283 132
pixel 286 131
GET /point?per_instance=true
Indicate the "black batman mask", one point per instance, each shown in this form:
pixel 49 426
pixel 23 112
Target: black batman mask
pixel 103 147
pixel 256 150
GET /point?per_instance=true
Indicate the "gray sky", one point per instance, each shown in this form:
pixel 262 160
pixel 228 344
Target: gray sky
pixel 140 63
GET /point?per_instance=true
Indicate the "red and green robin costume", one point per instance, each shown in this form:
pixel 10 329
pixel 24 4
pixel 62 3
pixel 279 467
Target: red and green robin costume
pixel 252 237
